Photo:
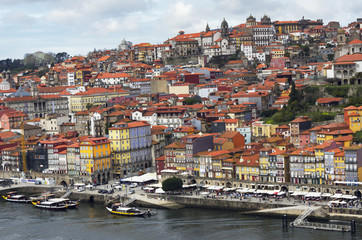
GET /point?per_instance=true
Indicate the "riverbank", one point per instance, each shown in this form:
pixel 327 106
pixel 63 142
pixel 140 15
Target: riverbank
pixel 266 208
pixel 246 206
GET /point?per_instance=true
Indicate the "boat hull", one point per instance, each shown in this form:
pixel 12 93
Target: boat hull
pixel 141 214
pixel 9 199
pixel 50 207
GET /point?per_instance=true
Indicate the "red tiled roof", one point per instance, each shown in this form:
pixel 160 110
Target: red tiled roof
pixel 328 100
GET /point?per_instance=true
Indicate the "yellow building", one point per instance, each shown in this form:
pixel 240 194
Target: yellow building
pixel 248 168
pixel 264 163
pixel 310 168
pixel 341 135
pixel 131 147
pixel 277 53
pixel 261 129
pixel 217 162
pixel 339 166
pixel 95 154
pixel 120 146
pixel 353 117
pixel 94 96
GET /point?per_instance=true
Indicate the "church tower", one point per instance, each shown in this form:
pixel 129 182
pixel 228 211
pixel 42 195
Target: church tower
pixel 224 29
pixel 207 28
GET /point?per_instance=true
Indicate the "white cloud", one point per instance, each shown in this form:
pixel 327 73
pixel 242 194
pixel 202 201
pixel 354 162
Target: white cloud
pixel 79 24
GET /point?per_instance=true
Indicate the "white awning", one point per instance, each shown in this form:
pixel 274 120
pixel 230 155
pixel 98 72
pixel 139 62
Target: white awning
pixel 141 179
pixel 313 194
pixel 326 194
pixel 159 190
pixel 338 195
pixel 155 185
pixel 349 197
pixel 215 187
pixel 229 189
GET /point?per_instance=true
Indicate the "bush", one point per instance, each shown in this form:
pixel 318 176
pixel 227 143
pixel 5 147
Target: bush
pixel 338 91
pixel 172 184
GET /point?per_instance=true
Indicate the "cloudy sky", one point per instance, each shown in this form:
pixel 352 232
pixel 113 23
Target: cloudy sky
pixel 79 26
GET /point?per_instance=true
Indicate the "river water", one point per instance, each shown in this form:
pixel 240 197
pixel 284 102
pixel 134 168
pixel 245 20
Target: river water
pixel 92 221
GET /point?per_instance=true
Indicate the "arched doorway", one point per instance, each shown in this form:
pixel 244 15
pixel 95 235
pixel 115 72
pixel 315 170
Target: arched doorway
pixel 229 185
pixel 64 184
pixel 358 194
pixel 284 189
pixel 312 189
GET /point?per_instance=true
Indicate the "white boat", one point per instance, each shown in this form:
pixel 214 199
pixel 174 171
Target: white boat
pixel 16 198
pixel 67 201
pixel 51 205
pixel 126 211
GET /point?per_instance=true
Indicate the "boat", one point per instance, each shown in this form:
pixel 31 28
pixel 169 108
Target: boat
pixel 126 211
pixel 13 197
pixel 67 201
pixel 51 205
pixel 43 197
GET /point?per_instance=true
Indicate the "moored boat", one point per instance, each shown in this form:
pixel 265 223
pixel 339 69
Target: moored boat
pixel 67 201
pixel 51 205
pixel 16 198
pixel 126 211
pixel 43 197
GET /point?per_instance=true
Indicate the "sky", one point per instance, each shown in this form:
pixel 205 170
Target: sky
pixel 80 26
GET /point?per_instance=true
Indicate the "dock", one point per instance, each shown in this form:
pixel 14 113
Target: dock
pixel 301 222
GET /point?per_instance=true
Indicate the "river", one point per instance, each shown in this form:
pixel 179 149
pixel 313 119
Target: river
pixel 92 221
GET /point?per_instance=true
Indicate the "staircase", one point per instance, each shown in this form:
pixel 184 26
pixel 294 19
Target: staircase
pixel 128 201
pixel 301 218
pixel 66 194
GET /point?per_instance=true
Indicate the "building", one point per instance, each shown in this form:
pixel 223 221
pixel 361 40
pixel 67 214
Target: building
pixel 95 155
pixel 131 145
pixel 298 126
pixel 194 144
pixel 248 168
pixel 353 163
pixel 95 96
pixel 74 161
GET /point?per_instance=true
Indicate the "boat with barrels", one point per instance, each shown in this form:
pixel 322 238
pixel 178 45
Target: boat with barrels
pixel 14 197
pixel 51 204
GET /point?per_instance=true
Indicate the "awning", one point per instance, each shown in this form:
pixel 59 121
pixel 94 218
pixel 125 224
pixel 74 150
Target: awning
pixel 245 190
pixel 215 187
pixel 229 189
pixel 326 194
pixel 313 194
pixel 349 197
pixel 159 190
pixel 338 195
pixel 141 179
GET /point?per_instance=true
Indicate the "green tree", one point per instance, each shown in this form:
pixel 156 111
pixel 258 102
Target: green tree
pixel 357 137
pixel 191 101
pixel 172 184
pixel 89 106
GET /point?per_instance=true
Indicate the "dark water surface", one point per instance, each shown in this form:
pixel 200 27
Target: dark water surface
pixel 92 221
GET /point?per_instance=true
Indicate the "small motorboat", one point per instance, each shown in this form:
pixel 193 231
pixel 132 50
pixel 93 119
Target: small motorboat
pixel 126 211
pixel 51 205
pixel 11 197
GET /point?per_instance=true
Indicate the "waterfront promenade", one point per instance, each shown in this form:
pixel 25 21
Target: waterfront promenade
pixel 246 204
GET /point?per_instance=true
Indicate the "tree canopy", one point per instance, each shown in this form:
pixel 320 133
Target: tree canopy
pixel 172 184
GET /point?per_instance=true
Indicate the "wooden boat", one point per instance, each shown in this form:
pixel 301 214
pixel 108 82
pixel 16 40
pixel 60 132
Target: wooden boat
pixel 67 201
pixel 126 211
pixel 43 197
pixel 16 198
pixel 51 205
